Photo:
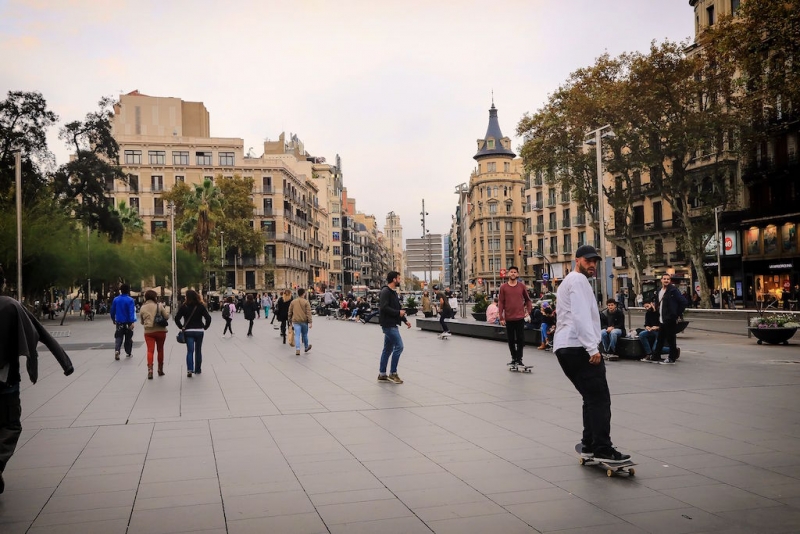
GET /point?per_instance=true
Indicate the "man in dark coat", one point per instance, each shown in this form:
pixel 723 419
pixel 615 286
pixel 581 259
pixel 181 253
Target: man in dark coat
pixel 670 306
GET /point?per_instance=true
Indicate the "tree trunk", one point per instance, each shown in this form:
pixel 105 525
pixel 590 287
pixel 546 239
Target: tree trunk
pixel 698 258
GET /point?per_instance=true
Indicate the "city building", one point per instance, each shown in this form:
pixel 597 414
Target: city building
pixel 495 209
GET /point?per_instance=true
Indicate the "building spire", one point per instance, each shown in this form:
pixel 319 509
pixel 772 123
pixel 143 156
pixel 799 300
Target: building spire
pixel 492 142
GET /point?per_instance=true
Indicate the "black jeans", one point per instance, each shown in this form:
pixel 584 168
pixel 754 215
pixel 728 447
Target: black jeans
pixel 515 330
pixel 590 381
pixel 442 316
pixel 283 329
pixel 228 326
pixel 250 330
pixel 666 338
pixel 10 425
pixel 123 332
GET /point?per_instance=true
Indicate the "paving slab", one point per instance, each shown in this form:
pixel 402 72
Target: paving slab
pixel 266 441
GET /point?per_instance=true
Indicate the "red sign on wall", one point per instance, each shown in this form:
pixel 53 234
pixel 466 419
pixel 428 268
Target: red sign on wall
pixel 502 273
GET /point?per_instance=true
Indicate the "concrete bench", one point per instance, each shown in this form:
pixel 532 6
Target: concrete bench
pixel 476 329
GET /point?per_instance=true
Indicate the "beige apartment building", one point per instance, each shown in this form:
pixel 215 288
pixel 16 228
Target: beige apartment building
pixel 495 209
pixel 164 141
pixel 393 232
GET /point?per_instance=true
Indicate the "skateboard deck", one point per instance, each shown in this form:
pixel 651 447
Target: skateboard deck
pixel 442 336
pixel 611 469
pixel 520 368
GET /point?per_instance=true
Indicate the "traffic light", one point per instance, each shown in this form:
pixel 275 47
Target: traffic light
pixel 520 252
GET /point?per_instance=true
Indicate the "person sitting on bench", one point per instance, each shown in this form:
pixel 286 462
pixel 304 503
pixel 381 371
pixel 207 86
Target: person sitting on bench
pixel 648 336
pixel 612 321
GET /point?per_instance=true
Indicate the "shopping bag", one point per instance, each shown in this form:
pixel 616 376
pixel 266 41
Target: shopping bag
pixel 291 335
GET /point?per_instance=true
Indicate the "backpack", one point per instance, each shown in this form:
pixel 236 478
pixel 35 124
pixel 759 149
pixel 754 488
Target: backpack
pixel 226 311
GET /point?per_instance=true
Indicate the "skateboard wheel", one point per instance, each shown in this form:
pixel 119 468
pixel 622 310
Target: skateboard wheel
pixel 631 471
pixel 582 461
pixel 610 472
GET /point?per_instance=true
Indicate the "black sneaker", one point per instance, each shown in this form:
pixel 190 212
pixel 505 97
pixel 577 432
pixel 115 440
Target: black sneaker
pixel 677 352
pixel 308 348
pixel 611 456
pixel 587 451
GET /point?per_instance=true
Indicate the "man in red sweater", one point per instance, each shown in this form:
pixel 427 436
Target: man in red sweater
pixel 513 305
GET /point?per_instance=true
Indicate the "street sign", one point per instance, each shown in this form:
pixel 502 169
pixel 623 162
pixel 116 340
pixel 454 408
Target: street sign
pixel 502 273
pixel 545 277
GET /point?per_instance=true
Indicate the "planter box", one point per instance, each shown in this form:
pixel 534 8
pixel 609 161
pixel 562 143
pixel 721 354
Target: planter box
pixel 479 316
pixel 773 336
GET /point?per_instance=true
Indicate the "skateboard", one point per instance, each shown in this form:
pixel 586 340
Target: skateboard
pixel 443 336
pixel 519 368
pixel 611 469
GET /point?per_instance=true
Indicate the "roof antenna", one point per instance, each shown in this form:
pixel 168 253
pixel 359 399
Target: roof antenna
pixel 492 97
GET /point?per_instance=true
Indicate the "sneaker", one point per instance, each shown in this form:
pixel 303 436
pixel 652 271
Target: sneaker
pixel 587 452
pixel 383 378
pixel 647 358
pixel 611 456
pixel 128 355
pixel 297 353
pixel 116 355
pixel 308 348
pixel 394 377
pixel 189 374
pixel 668 362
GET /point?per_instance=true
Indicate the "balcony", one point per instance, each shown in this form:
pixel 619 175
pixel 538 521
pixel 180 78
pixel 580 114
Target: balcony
pixel 651 190
pixel 290 262
pixel 552 226
pixel 678 258
pixel 263 190
pixel 537 206
pixel 580 220
pixel 551 202
pixel 565 223
pixel 768 169
pixel 537 182
pixel 553 251
pixel 565 198
pixel 269 235
pixel 264 213
pixel 538 228
pixel 659 258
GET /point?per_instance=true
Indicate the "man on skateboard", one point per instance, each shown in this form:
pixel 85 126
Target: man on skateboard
pixel 576 340
pixel 512 307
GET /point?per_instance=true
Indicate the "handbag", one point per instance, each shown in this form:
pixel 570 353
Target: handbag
pixel 159 319
pixel 181 337
pixel 291 335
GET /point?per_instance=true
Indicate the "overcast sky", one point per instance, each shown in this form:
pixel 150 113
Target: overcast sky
pixel 399 89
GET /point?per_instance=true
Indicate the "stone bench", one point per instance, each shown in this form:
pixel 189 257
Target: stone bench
pixel 476 329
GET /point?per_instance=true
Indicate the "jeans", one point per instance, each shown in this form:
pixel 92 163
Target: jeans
pixel 155 341
pixel 392 344
pixel 10 425
pixel 194 351
pixel 123 331
pixel 543 330
pixel 515 331
pixel 300 330
pixel 250 330
pixel 666 338
pixel 610 340
pixel 442 316
pixel 590 381
pixel 283 329
pixel 227 326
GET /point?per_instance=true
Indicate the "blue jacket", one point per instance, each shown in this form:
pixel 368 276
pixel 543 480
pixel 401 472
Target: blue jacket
pixel 123 309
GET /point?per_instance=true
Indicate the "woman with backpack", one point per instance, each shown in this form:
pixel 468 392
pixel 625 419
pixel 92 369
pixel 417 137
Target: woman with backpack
pixel 228 309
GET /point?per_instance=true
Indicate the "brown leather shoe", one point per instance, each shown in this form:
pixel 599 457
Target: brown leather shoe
pixel 150 373
pixel 542 346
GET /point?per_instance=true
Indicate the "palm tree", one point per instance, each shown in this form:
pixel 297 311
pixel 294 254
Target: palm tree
pixel 202 209
pixel 129 217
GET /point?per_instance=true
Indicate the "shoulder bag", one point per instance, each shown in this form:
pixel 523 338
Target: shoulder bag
pixel 181 337
pixel 159 319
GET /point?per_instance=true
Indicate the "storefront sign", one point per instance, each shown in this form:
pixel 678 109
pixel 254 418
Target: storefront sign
pixel 776 266
pixel 730 243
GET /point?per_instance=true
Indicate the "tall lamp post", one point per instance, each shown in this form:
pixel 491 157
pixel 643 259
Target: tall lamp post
pixel 427 240
pixel 174 258
pixel 18 181
pixel 595 137
pixel 88 268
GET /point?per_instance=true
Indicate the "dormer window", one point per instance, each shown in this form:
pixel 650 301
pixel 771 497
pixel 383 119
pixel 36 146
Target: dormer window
pixel 490 144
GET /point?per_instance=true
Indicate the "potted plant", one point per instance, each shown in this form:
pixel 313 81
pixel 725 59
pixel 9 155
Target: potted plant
pixel 774 328
pixel 479 308
pixel 411 306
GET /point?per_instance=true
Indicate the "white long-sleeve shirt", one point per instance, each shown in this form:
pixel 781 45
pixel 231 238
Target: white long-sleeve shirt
pixel 578 323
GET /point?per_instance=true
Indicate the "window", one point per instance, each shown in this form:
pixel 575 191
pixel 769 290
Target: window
pixel 493 208
pixel 133 157
pixel 158 226
pixel 490 146
pixel 337 251
pixel 337 264
pixel 157 157
pixel 157 183
pixel 491 167
pixel 208 179
pixel 509 226
pixel 509 243
pixel 335 222
pixel 180 179
pixel 336 236
pixel 180 158
pixel 226 159
pixel 133 202
pixel 109 184
pixel 735 6
pixel 158 206
pixel 133 182
pixel 507 166
pixel 203 158
pixel 710 11
pixel 509 206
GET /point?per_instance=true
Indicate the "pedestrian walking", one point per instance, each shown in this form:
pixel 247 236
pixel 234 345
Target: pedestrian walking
pixel 153 317
pixel 266 303
pixel 576 342
pixel 299 316
pixel 513 304
pixel 670 306
pixel 228 309
pixel 198 320
pixel 282 311
pixel 123 315
pixel 250 309
pixel 391 314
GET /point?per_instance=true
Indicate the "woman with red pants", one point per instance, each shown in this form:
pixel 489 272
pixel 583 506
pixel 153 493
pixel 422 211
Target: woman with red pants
pixel 154 335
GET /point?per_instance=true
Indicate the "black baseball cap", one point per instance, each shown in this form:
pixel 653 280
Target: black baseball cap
pixel 587 251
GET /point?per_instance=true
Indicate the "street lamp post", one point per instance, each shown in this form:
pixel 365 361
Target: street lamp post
pixel 174 258
pixel 88 268
pixel 596 137
pixel 426 239
pixel 18 181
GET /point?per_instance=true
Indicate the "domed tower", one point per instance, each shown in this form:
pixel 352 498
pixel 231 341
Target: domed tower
pixel 496 217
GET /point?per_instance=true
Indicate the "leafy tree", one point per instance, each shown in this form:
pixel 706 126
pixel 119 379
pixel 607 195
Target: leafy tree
pixel 237 212
pixel 129 217
pixel 197 211
pixel 81 183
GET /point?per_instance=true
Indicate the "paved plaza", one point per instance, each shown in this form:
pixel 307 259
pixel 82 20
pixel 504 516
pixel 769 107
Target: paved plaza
pixel 266 441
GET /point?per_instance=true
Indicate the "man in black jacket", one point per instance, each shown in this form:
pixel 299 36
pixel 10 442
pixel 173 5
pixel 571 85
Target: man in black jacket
pixel 648 336
pixel 20 333
pixel 613 323
pixel 391 314
pixel 670 305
